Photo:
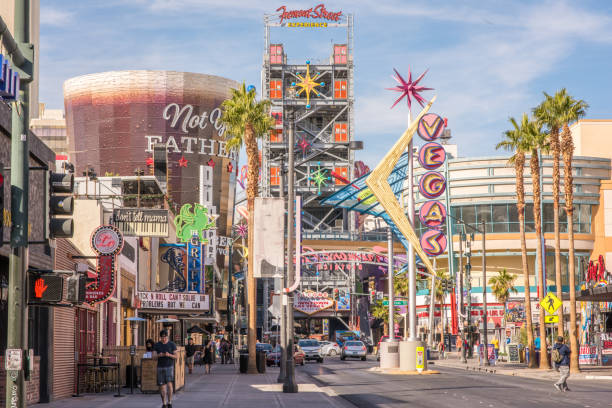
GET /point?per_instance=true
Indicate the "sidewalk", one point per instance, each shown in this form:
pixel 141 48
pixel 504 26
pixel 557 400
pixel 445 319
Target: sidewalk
pixel 521 370
pixel 224 387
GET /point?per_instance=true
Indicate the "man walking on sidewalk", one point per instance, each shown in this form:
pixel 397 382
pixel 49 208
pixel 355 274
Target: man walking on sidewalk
pixel 561 356
pixel 165 351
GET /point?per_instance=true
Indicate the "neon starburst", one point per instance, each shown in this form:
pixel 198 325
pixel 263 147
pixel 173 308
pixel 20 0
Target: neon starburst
pixel 304 145
pixel 319 177
pixel 308 84
pixel 409 89
pixel 241 230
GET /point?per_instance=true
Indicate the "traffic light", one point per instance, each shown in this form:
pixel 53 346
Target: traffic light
pixel 76 288
pixel 372 296
pixel 45 288
pixel 59 202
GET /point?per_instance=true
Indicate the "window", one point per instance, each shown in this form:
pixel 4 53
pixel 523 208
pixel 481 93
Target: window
pixel 276 54
pixel 339 54
pixel 340 132
pixel 276 136
pixel 342 172
pixel 500 218
pixel 274 176
pixel 276 89
pixel 340 89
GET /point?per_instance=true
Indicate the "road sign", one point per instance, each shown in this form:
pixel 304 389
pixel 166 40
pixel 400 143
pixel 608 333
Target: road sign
pixel 550 303
pixel 420 359
pixel 396 303
pixel 551 319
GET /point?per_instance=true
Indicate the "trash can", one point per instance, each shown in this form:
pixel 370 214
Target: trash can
pixel 261 362
pixel 428 356
pixel 244 362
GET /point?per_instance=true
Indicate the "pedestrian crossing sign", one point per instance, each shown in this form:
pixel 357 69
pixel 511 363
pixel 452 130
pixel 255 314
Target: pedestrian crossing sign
pixel 550 303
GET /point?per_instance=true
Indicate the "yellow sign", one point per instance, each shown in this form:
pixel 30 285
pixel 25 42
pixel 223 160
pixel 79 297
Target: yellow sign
pixel 551 319
pixel 420 359
pixel 550 303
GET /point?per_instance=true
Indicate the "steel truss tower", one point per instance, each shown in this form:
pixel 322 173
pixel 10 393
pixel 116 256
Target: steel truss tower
pixel 324 126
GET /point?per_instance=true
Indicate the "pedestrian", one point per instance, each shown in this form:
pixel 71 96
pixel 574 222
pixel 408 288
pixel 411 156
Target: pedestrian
pixel 209 351
pixel 224 351
pixel 165 350
pixel 149 344
pixel 561 357
pixel 441 348
pixel 190 350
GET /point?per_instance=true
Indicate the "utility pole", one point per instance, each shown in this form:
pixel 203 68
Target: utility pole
pixel 468 285
pixel 460 307
pixel 282 373
pixel 484 294
pixel 290 386
pixel 15 394
pixel 390 284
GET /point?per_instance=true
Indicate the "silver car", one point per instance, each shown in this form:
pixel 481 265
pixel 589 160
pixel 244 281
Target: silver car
pixel 312 349
pixel 330 348
pixel 354 349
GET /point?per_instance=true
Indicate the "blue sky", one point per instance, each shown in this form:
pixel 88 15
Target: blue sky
pixel 487 60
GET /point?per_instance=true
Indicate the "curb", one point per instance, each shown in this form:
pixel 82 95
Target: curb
pixel 395 371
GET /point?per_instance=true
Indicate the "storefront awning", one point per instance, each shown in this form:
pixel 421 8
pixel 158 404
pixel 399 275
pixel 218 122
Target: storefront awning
pixel 596 294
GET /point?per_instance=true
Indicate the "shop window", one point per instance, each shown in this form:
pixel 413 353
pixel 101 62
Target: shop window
pixel 274 176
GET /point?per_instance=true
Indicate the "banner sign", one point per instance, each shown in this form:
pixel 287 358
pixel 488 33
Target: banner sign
pixel 269 247
pixel 174 301
pixel 9 81
pixel 138 222
pixel 107 242
pixel 344 302
pixel 210 249
pixel 310 302
pixel 432 184
pixel 194 265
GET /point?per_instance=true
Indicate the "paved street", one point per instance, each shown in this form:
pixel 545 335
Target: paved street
pixel 453 387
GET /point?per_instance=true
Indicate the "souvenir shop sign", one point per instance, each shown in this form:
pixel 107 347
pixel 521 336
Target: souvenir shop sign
pixel 107 242
pixel 174 301
pixel 310 302
pixel 138 222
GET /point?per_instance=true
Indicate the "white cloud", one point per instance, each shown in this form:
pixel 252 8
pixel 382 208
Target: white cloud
pixel 54 17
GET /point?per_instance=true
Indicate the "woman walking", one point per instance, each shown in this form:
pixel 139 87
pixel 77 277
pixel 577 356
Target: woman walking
pixel 209 350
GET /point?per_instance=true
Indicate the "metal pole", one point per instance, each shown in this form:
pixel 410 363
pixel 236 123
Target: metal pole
pixel 290 386
pixel 411 263
pixel 468 284
pixel 281 286
pixel 390 283
pixel 15 390
pixel 451 253
pixel 432 309
pixel 460 307
pixel 484 293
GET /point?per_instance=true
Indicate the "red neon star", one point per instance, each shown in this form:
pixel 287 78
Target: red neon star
pixel 211 163
pixel 409 89
pixel 149 161
pixel 182 162
pixel 230 167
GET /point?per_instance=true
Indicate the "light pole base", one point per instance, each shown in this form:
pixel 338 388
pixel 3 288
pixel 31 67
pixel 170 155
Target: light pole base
pixel 290 386
pixel 409 361
pixel 389 354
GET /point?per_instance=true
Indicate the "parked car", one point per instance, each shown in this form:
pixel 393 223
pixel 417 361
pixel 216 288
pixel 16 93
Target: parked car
pixel 330 348
pixel 312 349
pixel 265 347
pixel 274 356
pixel 354 349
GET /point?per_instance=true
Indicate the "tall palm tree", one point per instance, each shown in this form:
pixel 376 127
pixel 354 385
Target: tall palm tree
pixel 440 296
pixel 572 111
pixel 381 311
pixel 246 120
pixel 550 113
pixel 537 141
pixel 502 286
pixel 515 142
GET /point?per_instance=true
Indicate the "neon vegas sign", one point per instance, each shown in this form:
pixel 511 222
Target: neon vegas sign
pixel 317 12
pixel 9 81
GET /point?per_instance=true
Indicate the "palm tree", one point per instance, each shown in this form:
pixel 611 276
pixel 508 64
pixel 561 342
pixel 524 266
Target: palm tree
pixel 572 110
pixel 550 113
pixel 536 139
pixel 514 142
pixel 502 285
pixel 439 294
pixel 246 120
pixel 381 311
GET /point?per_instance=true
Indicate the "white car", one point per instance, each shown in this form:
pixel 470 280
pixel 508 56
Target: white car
pixel 330 348
pixel 354 349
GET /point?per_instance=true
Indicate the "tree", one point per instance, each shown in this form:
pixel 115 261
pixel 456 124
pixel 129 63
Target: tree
pixel 246 120
pixel 515 142
pixel 550 113
pixel 536 141
pixel 381 311
pixel 440 295
pixel 572 110
pixel 502 285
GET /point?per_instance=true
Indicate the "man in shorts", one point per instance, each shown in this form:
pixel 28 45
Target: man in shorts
pixel 165 351
pixel 190 350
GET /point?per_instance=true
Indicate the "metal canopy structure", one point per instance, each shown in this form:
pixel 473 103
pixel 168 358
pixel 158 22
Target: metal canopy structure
pixel 357 196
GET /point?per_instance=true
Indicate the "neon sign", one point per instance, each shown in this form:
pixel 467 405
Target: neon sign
pixel 317 12
pixel 9 81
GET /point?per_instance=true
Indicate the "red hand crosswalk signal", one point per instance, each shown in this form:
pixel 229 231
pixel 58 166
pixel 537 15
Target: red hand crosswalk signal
pixel 45 288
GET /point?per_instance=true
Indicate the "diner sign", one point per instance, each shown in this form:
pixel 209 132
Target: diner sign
pixel 138 222
pixel 310 302
pixel 173 301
